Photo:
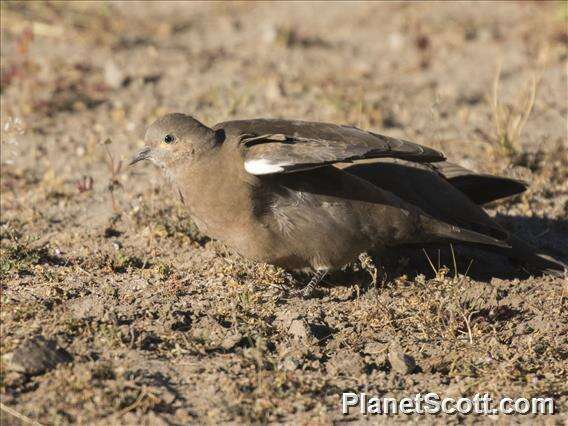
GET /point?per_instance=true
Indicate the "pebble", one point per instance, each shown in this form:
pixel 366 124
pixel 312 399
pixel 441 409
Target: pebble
pixel 36 356
pixel 401 362
pixel 345 362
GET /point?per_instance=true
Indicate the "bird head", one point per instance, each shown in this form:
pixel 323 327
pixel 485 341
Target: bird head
pixel 173 138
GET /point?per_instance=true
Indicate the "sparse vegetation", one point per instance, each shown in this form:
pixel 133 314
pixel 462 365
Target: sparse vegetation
pixel 510 119
pixel 160 320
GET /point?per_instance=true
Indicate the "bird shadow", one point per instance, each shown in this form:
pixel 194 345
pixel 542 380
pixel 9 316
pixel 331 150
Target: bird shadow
pixel 546 234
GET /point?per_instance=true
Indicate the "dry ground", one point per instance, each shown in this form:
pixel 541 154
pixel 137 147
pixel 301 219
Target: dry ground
pixel 163 325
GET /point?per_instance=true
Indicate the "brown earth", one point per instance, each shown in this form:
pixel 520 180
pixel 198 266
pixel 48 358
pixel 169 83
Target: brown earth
pixel 163 325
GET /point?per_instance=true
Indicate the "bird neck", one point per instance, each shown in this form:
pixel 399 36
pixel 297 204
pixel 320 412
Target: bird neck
pixel 214 192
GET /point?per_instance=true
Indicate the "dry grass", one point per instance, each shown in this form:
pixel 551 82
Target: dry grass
pixel 510 119
pixel 159 319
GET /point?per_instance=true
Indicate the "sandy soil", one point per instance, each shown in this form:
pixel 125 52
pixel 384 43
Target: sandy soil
pixel 154 323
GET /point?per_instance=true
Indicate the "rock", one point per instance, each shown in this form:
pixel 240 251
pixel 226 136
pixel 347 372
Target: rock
pixel 401 362
pixel 295 324
pixel 396 41
pixel 114 76
pixel 269 33
pixel 345 362
pixel 299 329
pixel 209 331
pixel 36 356
pixel 154 419
pixel 286 316
pixel 167 397
pixel 183 415
pixel 375 355
pixel 87 307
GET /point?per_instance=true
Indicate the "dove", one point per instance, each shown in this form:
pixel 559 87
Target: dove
pixel 311 197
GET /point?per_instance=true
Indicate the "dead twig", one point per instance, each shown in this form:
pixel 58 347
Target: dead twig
pixel 133 405
pixel 467 320
pixel 454 260
pixel 430 262
pixel 23 418
pixel 114 169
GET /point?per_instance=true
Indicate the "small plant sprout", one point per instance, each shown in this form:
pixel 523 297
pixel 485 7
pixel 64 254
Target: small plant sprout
pixel 510 119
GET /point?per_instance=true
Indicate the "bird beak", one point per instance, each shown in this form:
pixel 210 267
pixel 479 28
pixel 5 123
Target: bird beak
pixel 142 155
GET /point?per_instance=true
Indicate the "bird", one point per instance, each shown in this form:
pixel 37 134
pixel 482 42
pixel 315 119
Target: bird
pixel 311 197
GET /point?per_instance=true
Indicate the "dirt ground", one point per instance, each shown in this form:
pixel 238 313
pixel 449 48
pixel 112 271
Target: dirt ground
pixel 147 321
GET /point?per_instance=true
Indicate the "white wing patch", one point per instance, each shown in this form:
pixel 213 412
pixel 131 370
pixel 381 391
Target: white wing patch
pixel 262 167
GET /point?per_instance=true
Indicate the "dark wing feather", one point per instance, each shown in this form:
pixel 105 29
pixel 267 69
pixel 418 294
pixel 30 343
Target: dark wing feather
pixel 283 146
pixel 481 188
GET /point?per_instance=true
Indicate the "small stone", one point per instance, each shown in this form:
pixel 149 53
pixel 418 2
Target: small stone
pixel 36 356
pixel 209 331
pixel 87 307
pixel 155 419
pixel 183 415
pixel 401 362
pixel 114 76
pixel 396 41
pixel 295 324
pixel 167 397
pixel 299 329
pixel 345 362
pixel 269 33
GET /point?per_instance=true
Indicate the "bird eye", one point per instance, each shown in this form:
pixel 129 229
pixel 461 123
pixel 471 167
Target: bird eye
pixel 169 138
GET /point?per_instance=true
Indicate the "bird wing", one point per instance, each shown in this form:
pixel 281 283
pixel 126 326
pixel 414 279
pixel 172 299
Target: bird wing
pixel 282 146
pixel 480 188
pixel 419 185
